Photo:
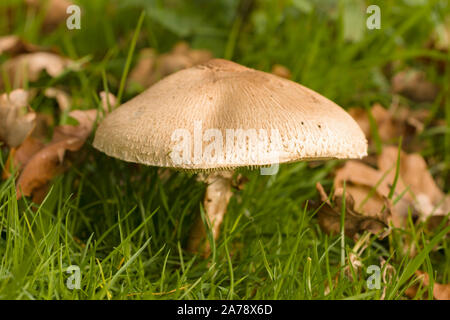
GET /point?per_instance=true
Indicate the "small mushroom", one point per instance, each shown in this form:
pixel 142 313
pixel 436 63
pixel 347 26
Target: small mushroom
pixel 218 116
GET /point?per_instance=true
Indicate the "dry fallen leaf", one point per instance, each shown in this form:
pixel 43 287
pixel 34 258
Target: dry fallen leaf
pixel 109 101
pixel 86 120
pixel 387 126
pixel 414 174
pixel 14 45
pixel 196 55
pixel 440 291
pixel 19 157
pixel 42 166
pixel 17 120
pixel 361 117
pixel 45 165
pixel 329 216
pixel 43 122
pixel 174 61
pixel 62 98
pixel 398 120
pixel 361 179
pixel 141 73
pixel 415 189
pixel 151 67
pixel 28 66
pixel 281 71
pixel 414 85
pixel 48 161
pixel 55 11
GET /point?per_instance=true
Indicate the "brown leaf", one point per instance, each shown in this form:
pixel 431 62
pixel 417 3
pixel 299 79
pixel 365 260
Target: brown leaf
pixel 181 47
pixel 361 117
pixel 55 11
pixel 62 98
pixel 141 73
pixel 40 193
pixel 359 173
pixel 30 66
pixel 172 62
pixel 370 187
pixel 16 118
pixel 281 71
pixel 14 45
pixel 48 162
pixel 433 222
pixel 19 157
pixel 424 192
pixel 196 55
pixel 44 122
pixel 199 56
pixel 361 180
pixel 108 101
pixel 398 120
pixel 440 291
pixel 86 120
pixel 329 216
pixel 410 120
pixel 45 165
pixel 150 68
pixel 387 126
pixel 414 85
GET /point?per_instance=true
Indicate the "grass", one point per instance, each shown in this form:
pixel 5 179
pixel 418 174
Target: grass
pixel 126 228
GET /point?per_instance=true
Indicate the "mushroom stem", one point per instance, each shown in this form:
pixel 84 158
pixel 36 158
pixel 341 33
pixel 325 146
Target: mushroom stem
pixel 217 196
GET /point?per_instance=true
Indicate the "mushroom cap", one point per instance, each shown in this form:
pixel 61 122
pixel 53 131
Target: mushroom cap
pixel 207 115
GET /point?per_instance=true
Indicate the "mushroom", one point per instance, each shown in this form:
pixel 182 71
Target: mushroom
pixel 218 116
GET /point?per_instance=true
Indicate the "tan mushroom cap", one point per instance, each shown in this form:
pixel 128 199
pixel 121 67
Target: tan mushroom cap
pixel 224 96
